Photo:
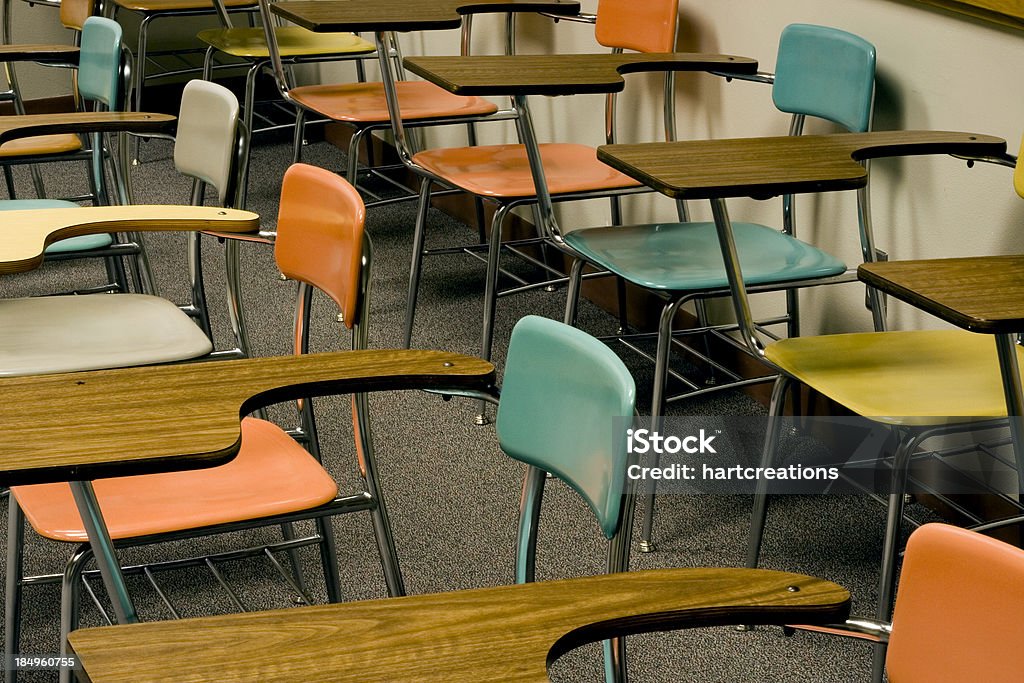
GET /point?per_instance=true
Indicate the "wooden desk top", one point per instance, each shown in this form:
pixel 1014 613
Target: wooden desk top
pixel 981 294
pixel 90 425
pixel 25 234
pixel 507 634
pixel 12 127
pixel 65 54
pixel 404 15
pixel 560 74
pixel 766 167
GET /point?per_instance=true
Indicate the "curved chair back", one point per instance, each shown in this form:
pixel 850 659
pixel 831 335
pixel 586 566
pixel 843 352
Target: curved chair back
pixel 561 392
pixel 99 61
pixel 73 13
pixel 958 610
pixel 320 235
pixel 648 26
pixel 205 147
pixel 825 72
pixel 1018 171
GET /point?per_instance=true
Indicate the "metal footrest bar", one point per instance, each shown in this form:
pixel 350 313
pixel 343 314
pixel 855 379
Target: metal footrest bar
pixel 160 593
pixel 166 565
pixel 306 599
pixel 704 358
pixel 96 601
pixel 232 596
pixel 648 357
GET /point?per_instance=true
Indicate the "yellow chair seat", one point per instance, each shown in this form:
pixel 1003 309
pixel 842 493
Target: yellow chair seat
pixel 41 144
pixel 918 378
pixel 294 41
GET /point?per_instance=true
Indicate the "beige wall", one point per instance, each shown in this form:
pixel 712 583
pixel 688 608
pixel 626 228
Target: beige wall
pixel 936 70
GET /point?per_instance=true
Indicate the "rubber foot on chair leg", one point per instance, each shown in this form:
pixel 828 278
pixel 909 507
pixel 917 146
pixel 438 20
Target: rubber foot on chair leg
pixel 646 546
pixel 481 420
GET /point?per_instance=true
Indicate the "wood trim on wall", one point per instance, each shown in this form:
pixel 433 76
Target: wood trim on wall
pixel 1004 12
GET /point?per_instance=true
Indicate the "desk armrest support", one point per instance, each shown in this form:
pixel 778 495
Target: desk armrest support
pixel 46 54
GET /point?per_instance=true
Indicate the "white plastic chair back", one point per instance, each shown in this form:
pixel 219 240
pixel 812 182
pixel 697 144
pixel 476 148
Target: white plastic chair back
pixel 205 147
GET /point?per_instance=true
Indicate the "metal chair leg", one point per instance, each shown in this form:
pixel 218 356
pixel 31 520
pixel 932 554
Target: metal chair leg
pixel 70 601
pixel 379 514
pixel 615 669
pixel 491 295
pixel 298 135
pixel 890 547
pixel 755 536
pixel 329 559
pixel 572 299
pixel 13 587
pixel 12 193
pixel 288 533
pixel 529 518
pixel 139 78
pixel 416 265
pixel 668 312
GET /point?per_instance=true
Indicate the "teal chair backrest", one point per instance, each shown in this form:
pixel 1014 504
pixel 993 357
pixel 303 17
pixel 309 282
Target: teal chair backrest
pixel 99 61
pixel 825 72
pixel 561 392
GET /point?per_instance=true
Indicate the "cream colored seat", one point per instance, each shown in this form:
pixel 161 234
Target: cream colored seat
pixel 41 335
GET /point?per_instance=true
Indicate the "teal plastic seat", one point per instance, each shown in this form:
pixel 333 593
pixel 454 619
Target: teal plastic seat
pixel 71 244
pixel 687 256
pixel 566 403
pixel 822 72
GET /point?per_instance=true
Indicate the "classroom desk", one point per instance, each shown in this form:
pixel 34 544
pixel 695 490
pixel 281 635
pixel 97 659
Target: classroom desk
pixel 153 419
pixel 983 294
pixel 332 16
pixel 766 167
pixel 87 425
pixel 29 125
pixel 508 634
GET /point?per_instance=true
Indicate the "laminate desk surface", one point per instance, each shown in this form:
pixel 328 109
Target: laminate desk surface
pixel 90 425
pixel 25 234
pixel 560 74
pixel 766 167
pixel 39 53
pixel 982 294
pixel 29 125
pixel 404 15
pixel 507 634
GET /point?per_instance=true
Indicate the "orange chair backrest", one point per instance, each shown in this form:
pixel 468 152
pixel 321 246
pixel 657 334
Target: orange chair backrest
pixel 73 13
pixel 320 235
pixel 644 26
pixel 958 610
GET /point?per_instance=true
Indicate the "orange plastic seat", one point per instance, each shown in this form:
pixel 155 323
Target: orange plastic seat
pixel 364 102
pixel 504 170
pixel 42 144
pixel 272 475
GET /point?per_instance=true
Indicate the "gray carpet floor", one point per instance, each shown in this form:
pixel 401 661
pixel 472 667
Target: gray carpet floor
pixel 453 496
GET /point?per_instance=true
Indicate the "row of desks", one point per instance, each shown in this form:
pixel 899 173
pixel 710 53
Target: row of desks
pixel 187 416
